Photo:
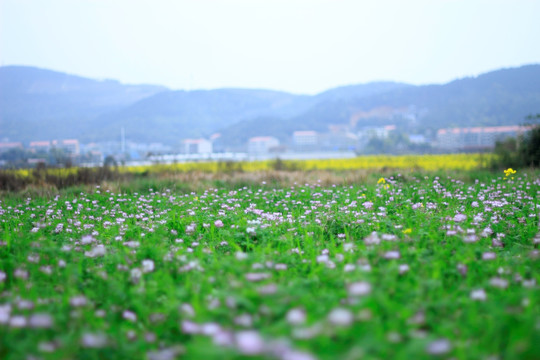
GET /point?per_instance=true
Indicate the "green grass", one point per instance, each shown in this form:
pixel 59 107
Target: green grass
pixel 299 249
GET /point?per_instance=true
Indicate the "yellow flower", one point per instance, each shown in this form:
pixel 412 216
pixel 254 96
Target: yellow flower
pixel 407 231
pixel 381 181
pixel 509 172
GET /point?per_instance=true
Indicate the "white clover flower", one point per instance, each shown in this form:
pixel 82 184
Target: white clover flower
pixel 18 321
pixel 218 223
pixel 5 313
pixel 241 255
pixel 392 255
pixel 257 276
pixel 93 340
pixel 189 327
pixel 147 266
pixel 499 283
pixel 361 288
pixel 78 301
pixel 187 310
pixel 170 353
pixel 340 317
pixel 372 239
pixel 479 295
pixel 439 347
pixel 349 267
pixel 249 342
pixel 41 321
pixel 403 268
pixel 135 275
pixel 296 316
pixel 96 251
pixel 129 315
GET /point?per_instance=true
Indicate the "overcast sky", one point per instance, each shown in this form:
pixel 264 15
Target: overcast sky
pixel 301 46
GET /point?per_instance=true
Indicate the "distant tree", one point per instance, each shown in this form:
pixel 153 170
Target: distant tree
pixel 521 152
pixel 68 162
pixel 58 156
pixel 506 154
pixel 529 149
pixel 109 161
pixel 15 157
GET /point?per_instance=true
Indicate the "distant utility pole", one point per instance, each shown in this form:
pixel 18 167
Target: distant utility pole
pixel 123 139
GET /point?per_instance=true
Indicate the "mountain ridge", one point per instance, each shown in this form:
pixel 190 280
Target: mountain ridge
pixel 42 104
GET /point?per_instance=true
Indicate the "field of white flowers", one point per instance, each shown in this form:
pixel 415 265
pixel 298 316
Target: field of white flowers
pixel 407 268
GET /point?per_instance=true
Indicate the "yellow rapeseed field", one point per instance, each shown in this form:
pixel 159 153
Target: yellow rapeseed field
pixel 412 162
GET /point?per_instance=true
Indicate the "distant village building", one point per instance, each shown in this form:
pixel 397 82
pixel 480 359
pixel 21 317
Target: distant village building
pixel 379 132
pixel 417 139
pixel 70 146
pixel 305 139
pixel 6 146
pixel 93 157
pixel 262 144
pixel 197 146
pixel 338 141
pixel 476 138
pixel 40 146
pixel 35 162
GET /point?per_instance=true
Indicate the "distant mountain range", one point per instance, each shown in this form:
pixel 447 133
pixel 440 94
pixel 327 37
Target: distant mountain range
pixel 37 104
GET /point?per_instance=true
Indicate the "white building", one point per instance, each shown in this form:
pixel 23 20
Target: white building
pixel 305 138
pixel 381 132
pixel 417 139
pixel 262 144
pixel 40 146
pixel 338 141
pixel 70 146
pixel 197 146
pixel 476 138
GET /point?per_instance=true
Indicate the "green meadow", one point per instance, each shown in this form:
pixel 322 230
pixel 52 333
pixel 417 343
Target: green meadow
pixel 408 266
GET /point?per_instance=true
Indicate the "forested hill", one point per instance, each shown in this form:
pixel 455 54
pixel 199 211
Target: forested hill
pixel 42 104
pixel 502 97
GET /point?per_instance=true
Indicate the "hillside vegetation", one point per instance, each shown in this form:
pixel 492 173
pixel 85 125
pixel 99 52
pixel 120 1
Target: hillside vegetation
pixel 38 104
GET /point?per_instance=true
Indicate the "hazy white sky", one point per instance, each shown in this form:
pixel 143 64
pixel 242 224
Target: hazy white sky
pixel 302 46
